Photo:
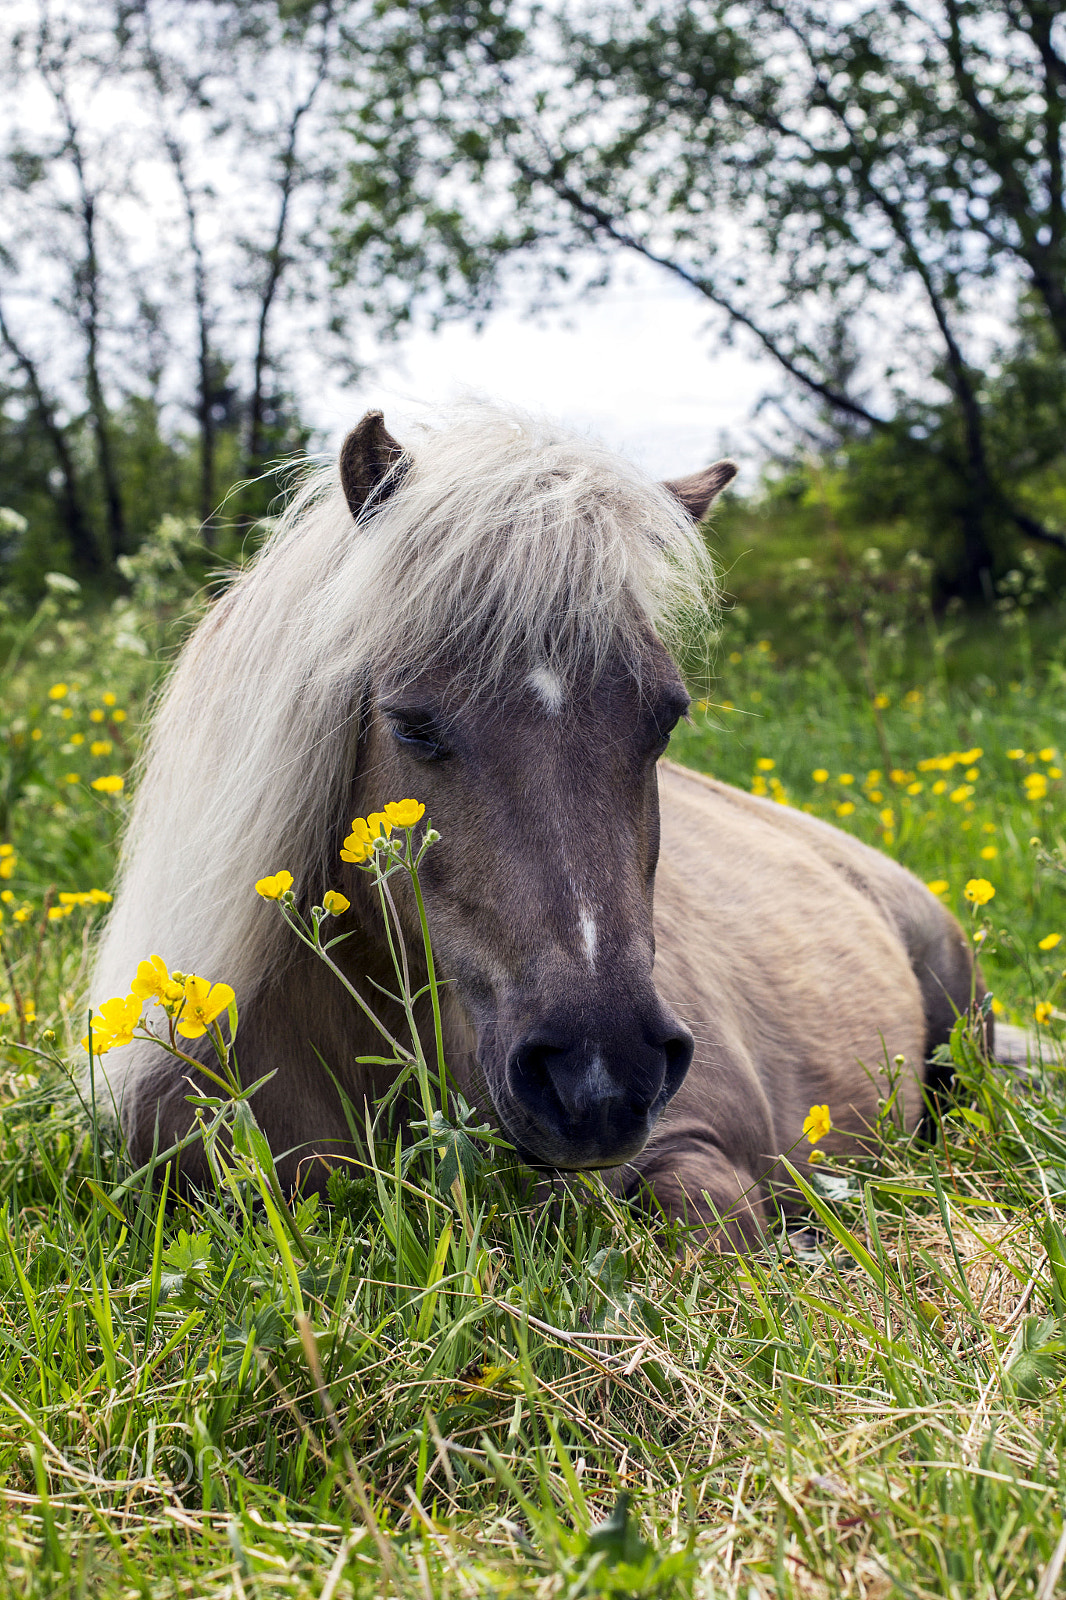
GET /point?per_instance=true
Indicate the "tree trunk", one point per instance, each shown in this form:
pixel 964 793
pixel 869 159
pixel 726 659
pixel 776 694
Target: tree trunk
pixel 83 545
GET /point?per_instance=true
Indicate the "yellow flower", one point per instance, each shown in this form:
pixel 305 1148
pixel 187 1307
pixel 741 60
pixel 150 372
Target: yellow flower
pixel 963 792
pixel 882 702
pixel 29 1012
pixel 875 796
pixel 846 777
pixel 978 891
pixel 1035 786
pixel 77 738
pixel 57 913
pixel 101 747
pixel 897 775
pixel 109 699
pixel 359 844
pixel 8 863
pixel 1047 754
pixel 112 784
pixel 1043 1012
pixel 916 787
pixel 72 777
pixel 57 691
pixel 273 887
pixel 153 982
pixel 971 773
pixel 765 764
pixel 940 786
pixel 820 775
pixel 758 785
pixel 845 808
pixel 35 733
pixel 1050 941
pixel 118 716
pixel 114 1023
pixel 1015 755
pixel 735 658
pixel 888 818
pixel 998 1008
pixel 1054 772
pixel 379 824
pixel 335 903
pixel 5 1007
pixel 817 1123
pixel 989 852
pixel 96 716
pixel 23 914
pixel 99 897
pixel 204 1002
pixel 405 813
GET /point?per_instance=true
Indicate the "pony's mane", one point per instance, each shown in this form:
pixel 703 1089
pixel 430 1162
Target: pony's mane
pixel 510 542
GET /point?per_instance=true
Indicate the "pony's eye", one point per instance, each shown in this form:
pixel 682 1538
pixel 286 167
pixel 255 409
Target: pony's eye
pixel 665 723
pixel 418 733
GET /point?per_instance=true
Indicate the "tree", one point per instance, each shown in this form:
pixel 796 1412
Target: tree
pixel 165 167
pixel 864 191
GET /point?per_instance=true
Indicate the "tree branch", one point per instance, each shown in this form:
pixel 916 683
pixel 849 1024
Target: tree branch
pixel 602 222
pixel 1036 530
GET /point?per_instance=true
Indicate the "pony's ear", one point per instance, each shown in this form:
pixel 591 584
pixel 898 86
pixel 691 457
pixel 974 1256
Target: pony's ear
pixel 372 464
pixel 700 490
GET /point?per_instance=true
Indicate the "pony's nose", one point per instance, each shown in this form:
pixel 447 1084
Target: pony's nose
pixel 593 1103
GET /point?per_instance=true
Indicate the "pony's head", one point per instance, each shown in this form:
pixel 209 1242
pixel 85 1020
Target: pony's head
pixel 525 699
pixel 473 619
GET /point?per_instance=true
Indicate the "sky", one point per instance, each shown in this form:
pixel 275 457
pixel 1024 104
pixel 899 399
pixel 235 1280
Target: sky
pixel 640 366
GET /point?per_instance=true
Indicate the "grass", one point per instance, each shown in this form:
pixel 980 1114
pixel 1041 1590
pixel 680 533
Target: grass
pixel 465 1387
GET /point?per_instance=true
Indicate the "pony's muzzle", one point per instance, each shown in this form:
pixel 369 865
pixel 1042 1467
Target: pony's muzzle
pixel 589 1102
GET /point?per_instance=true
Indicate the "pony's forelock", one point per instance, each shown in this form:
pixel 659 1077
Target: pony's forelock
pixel 510 542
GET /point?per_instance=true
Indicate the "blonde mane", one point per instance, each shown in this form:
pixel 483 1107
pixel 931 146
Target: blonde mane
pixel 510 542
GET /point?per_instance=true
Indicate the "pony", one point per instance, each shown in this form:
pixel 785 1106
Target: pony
pixel 647 971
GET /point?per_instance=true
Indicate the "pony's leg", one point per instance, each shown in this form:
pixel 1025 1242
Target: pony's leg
pixel 699 1186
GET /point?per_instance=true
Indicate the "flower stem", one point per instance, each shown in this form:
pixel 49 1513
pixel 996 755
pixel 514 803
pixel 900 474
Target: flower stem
pixel 434 993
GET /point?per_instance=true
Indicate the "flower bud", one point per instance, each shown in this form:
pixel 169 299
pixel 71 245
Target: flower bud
pixel 49 1036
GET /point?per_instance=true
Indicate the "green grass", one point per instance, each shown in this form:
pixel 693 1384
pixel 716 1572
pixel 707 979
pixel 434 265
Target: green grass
pixel 474 1388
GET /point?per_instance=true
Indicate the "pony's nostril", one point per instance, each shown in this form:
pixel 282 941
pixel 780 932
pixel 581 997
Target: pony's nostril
pixel 530 1069
pixel 678 1050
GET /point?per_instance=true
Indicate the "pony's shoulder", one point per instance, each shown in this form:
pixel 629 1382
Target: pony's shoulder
pixel 870 870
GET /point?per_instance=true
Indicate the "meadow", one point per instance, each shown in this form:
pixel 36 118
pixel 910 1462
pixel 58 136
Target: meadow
pixel 443 1384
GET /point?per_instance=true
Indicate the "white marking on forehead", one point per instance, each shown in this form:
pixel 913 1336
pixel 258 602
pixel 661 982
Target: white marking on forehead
pixel 587 924
pixel 545 683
